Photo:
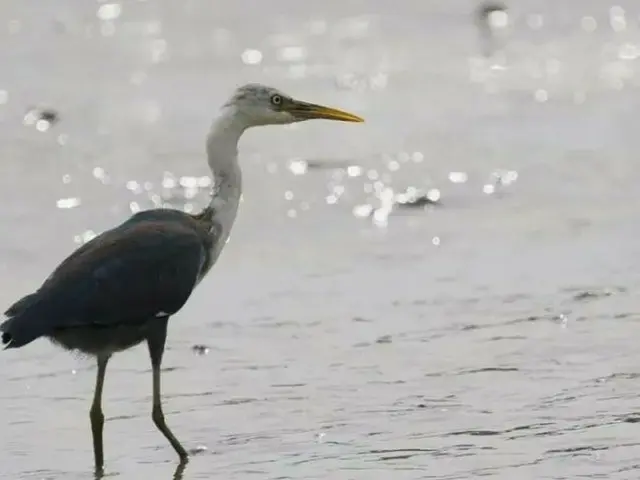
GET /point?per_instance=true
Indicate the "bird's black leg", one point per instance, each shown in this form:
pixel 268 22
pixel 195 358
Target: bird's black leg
pixel 96 415
pixel 155 341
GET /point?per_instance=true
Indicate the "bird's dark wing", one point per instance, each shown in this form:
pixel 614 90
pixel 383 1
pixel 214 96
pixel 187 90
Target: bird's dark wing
pixel 161 215
pixel 132 273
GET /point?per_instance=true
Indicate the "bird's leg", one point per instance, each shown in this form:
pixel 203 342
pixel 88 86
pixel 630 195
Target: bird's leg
pixel 155 340
pixel 96 415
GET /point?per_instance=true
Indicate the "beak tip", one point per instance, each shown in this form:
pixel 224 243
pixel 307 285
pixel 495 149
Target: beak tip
pixel 354 118
pixel 348 117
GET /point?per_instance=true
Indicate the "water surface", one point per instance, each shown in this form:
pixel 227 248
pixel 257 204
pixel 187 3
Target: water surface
pixel 490 336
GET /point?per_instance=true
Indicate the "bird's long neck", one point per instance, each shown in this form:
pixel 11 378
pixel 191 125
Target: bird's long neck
pixel 222 153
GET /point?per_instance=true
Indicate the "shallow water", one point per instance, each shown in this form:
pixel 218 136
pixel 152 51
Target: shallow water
pixel 490 336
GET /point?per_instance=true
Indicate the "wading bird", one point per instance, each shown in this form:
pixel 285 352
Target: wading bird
pixel 121 288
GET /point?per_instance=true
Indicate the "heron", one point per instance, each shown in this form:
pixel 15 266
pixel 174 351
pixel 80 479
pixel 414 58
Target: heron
pixel 121 288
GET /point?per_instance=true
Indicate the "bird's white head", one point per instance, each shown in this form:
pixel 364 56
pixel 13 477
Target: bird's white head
pixel 257 105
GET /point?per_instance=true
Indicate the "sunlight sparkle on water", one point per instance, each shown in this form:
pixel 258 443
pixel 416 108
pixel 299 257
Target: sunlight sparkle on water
pixel 433 194
pixel 109 11
pixel 498 19
pixel 373 174
pixel 42 125
pixel 393 165
pixel 134 186
pixel 169 181
pixel 204 181
pixel 629 51
pixel 251 56
pixel 155 199
pixel 458 177
pixel 417 157
pixel 617 19
pixel 505 177
pixel 84 237
pixel 101 175
pixel 354 170
pixel 362 211
pixel 298 167
pixel 30 118
pixel 381 216
pixel 188 182
pixel 500 178
pixel 190 193
pixel 71 202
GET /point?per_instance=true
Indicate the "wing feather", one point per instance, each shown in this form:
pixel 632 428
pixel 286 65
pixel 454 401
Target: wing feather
pixel 128 274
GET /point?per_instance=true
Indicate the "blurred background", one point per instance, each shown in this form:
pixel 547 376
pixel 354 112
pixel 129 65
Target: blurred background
pixel 445 291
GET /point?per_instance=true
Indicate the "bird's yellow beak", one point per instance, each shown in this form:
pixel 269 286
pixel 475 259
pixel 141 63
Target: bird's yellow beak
pixel 310 111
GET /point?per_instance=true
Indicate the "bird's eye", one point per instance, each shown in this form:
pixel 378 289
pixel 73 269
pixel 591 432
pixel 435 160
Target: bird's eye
pixel 276 99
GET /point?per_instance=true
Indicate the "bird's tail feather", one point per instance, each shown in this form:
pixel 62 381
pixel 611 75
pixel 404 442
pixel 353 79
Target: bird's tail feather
pixel 19 331
pixel 23 325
